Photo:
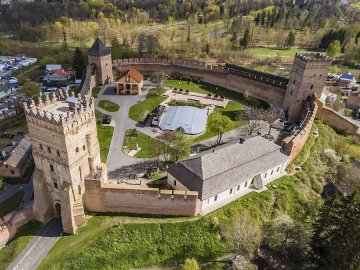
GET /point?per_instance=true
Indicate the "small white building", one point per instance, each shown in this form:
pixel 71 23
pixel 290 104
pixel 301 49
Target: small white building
pixel 228 172
pixel 327 96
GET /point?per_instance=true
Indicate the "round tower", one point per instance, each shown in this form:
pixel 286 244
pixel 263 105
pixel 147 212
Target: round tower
pixel 308 76
pixel 100 56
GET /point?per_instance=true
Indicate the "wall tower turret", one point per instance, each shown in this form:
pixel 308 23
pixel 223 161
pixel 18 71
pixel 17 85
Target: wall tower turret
pixel 100 56
pixel 65 151
pixel 308 76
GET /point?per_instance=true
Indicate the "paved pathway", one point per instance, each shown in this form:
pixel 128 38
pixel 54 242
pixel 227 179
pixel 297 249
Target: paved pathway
pixel 116 158
pixel 39 247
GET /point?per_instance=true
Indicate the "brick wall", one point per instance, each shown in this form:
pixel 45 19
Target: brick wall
pixel 217 75
pixel 337 121
pixel 102 197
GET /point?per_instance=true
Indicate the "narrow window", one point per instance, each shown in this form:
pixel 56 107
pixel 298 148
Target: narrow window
pixel 238 188
pixel 252 181
pixel 79 187
pixel 272 171
pixel 278 169
pixel 12 171
pixel 245 184
pixel 294 81
pixel 174 182
pixel 312 86
pixel 77 149
pixel 291 92
pixel 84 147
pixel 51 168
pixel 55 185
pixel 41 147
pixel 58 153
pixel 215 198
pixel 265 175
pixel 231 190
pixel 49 150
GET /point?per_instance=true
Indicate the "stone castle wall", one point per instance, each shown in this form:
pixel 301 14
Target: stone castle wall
pixel 336 120
pixel 89 82
pixel 103 197
pixel 264 88
pixel 295 143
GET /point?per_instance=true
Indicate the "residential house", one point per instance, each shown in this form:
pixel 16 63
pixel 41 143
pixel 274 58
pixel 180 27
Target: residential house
pixel 226 173
pixel 347 80
pixel 50 68
pixel 353 102
pixel 18 160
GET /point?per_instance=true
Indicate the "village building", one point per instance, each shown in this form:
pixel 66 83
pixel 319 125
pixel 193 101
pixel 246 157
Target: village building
pixel 353 102
pixel 226 173
pixel 327 96
pixel 18 160
pixel 130 83
pixel 52 67
pixel 347 80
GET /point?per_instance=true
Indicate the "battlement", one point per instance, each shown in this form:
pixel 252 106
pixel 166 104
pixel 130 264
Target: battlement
pixel 313 57
pixel 59 108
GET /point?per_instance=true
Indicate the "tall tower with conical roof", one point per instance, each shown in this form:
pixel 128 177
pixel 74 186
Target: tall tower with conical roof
pixel 100 56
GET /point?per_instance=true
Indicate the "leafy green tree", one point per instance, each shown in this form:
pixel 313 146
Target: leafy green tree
pixel 246 39
pixel 30 89
pixel 78 62
pixel 290 41
pixel 47 59
pixel 180 146
pixel 207 48
pixel 117 49
pixel 190 264
pixel 336 234
pixel 218 124
pixel 334 48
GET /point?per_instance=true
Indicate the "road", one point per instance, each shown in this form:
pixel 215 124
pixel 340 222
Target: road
pixel 39 247
pixel 118 164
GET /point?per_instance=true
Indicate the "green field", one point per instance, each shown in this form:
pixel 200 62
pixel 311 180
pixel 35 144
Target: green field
pixel 105 134
pixel 142 140
pixel 285 54
pixel 230 111
pixel 109 106
pixel 141 112
pixel 18 244
pixel 11 204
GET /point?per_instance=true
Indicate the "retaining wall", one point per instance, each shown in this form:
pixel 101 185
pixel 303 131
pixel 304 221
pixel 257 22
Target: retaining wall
pixel 102 197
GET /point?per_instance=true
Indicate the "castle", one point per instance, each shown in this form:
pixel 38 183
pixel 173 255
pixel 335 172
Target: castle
pixel 69 177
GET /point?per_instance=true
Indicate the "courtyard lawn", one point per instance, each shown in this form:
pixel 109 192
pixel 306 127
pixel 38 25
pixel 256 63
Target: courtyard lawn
pixel 144 142
pixel 124 242
pixel 109 106
pixel 18 244
pixel 105 134
pixel 141 112
pixel 96 91
pixel 230 111
pixel 11 204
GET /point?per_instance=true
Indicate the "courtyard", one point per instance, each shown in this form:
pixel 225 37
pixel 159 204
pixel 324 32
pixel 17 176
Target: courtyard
pixel 127 153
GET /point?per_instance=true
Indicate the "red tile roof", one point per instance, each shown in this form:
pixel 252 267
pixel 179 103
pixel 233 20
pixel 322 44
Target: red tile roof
pixel 133 73
pixel 61 73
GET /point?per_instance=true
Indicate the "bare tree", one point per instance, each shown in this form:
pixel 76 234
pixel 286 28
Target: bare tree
pixel 158 78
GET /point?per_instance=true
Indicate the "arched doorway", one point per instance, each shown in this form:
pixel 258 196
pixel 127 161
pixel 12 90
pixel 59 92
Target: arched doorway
pixel 58 209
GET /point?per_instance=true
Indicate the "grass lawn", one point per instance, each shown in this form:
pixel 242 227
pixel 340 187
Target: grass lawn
pixel 230 111
pixel 141 112
pixel 96 91
pixel 11 204
pixel 206 88
pixel 105 134
pixel 144 141
pixel 109 106
pixel 263 52
pixel 121 242
pixel 17 245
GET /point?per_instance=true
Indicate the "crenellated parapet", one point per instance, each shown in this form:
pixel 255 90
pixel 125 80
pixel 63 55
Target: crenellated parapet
pixel 61 110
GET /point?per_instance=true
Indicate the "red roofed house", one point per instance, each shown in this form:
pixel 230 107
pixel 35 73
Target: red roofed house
pixel 130 83
pixel 59 75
